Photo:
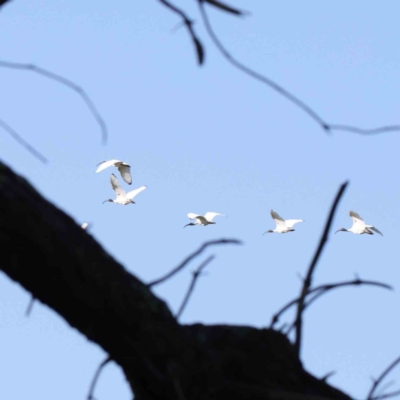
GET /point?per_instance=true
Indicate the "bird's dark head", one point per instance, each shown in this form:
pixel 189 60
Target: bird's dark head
pixel 109 200
pixel 191 224
pixel 270 231
pixel 341 230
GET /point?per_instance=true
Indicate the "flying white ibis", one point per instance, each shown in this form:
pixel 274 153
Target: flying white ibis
pixel 282 225
pixel 123 168
pixel 205 220
pixel 84 225
pixel 123 197
pixel 359 227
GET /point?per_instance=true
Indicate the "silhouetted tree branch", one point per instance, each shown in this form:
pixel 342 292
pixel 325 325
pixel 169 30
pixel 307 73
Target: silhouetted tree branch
pixel 190 258
pixel 23 142
pixel 322 289
pixel 311 269
pixel 380 379
pixel 326 126
pixel 64 81
pixel 189 25
pixel 196 275
pixel 96 377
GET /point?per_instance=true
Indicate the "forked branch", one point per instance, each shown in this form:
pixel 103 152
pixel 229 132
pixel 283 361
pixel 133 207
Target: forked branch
pixel 190 258
pixel 311 269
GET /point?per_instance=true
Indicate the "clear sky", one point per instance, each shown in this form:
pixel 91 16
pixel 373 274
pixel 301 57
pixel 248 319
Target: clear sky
pixel 210 139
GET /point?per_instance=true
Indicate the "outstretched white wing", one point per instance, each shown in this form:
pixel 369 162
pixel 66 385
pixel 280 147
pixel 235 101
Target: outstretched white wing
pixel 357 220
pixel 116 186
pixel 125 171
pixel 374 229
pixel 290 222
pixel 105 164
pixel 210 215
pixel 277 218
pixel 133 193
pixel 192 215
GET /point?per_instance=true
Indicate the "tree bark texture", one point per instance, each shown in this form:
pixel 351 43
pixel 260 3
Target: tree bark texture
pixel 49 255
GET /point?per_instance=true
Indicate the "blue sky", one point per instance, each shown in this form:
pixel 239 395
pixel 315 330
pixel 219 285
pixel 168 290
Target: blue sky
pixel 210 139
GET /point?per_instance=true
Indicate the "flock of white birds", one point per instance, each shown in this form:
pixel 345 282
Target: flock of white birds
pixel 359 227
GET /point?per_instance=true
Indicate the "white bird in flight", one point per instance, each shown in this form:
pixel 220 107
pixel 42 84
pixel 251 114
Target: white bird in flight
pixel 359 227
pixel 123 168
pixel 282 225
pixel 123 197
pixel 84 225
pixel 205 220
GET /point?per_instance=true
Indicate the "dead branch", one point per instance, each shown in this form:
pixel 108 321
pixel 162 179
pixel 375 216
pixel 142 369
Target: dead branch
pixel 189 25
pixel 196 275
pixel 190 258
pixel 322 289
pixel 308 279
pixel 327 127
pixel 96 377
pixel 379 380
pixel 66 82
pixel 23 142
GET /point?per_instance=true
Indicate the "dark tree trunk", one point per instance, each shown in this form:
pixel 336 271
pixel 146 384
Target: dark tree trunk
pixel 48 254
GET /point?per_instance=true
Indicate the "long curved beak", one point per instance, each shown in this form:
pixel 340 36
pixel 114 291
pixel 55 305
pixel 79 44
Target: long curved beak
pixel 105 201
pixel 187 225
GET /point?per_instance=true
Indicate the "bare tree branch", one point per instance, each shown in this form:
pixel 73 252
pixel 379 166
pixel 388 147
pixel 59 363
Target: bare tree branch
pixel 190 257
pixel 23 142
pixel 96 377
pixel 226 7
pixel 189 25
pixel 280 89
pixel 308 279
pixel 189 292
pixel 48 74
pixel 379 380
pixel 322 289
pixel 387 395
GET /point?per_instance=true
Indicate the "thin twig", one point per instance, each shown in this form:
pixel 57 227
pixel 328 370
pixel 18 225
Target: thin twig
pixel 280 89
pixel 189 25
pixel 189 292
pixel 308 279
pixel 323 289
pixel 48 74
pixel 387 395
pixel 380 379
pixel 96 377
pixel 320 290
pixel 190 257
pixel 23 142
pixel 30 306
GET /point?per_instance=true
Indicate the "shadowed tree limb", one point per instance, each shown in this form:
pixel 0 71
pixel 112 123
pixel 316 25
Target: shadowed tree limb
pixel 189 26
pixel 66 82
pixel 196 275
pixel 326 126
pixel 308 278
pixel 190 258
pixel 23 142
pixel 161 359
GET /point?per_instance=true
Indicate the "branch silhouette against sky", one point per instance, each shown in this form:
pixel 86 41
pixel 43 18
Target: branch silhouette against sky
pixel 324 124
